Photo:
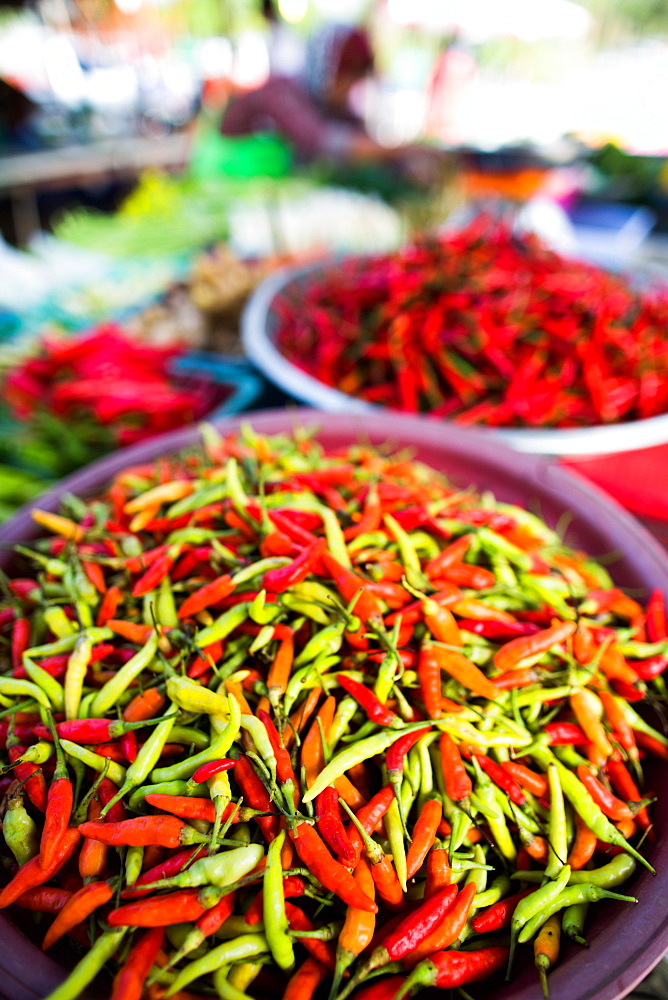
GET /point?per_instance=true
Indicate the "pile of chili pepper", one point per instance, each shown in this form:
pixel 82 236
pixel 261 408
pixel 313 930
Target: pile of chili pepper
pixel 277 721
pixel 75 399
pixel 483 326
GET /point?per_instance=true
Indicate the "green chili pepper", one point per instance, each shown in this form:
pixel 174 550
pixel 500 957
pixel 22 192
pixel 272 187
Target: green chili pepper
pixel 617 871
pixel 478 870
pixel 536 903
pixel 217 749
pixel 189 737
pixel 49 685
pixel 557 833
pixel 486 796
pixel 355 754
pixel 20 830
pixel 587 809
pixel 243 947
pixel 146 759
pixel 222 626
pixel 88 967
pixel 499 888
pixel 133 863
pixel 275 920
pixel 58 622
pixel 95 761
pixel 573 921
pixel 66 645
pixel 409 556
pixel 219 870
pixel 568 897
pixel 14 687
pixel 108 695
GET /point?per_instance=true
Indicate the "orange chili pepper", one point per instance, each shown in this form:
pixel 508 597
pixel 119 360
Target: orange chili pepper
pixel 32 874
pixel 304 982
pixel 585 706
pixel 462 669
pixel 281 666
pixel 77 908
pixel 146 705
pixel 93 853
pixel 424 835
pixel 525 650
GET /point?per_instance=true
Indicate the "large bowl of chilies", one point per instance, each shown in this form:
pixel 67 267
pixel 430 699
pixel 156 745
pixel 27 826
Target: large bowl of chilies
pixel 321 705
pixel 482 327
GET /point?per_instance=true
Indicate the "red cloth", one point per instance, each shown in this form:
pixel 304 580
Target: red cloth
pixel 636 479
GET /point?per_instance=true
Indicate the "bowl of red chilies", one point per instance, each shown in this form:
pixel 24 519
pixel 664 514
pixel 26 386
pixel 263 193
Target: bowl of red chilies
pixel 482 327
pixel 324 706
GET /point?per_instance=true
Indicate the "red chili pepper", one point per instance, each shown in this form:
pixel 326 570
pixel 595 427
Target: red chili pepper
pixel 29 774
pixel 207 771
pixel 535 783
pixel 284 769
pixel 331 828
pixel 516 679
pixel 106 791
pixel 458 784
pixel 293 886
pixel 256 796
pixel 502 778
pixel 20 642
pixel 651 744
pixel 44 899
pixel 624 785
pixel 167 831
pixel 523 651
pixel 323 951
pixel 349 586
pixel 128 745
pixel 368 701
pixel 207 595
pixel 109 605
pixel 414 928
pixel 279 580
pixel 497 631
pixel 32 874
pixel 130 980
pixel 329 872
pixel 371 815
pixel 159 911
pixel 172 865
pixel 608 803
pixel 498 916
pixel 655 621
pixel 650 668
pixel 26 590
pixel 565 734
pixel 57 816
pixel 449 969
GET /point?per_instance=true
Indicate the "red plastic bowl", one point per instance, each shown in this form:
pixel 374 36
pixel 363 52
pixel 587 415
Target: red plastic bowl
pixel 626 941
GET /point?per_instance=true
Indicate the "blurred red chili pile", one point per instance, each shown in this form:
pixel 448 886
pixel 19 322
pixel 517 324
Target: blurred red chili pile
pixel 484 327
pixel 75 399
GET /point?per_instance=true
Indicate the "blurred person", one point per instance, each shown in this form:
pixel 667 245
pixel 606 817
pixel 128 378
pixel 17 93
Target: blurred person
pixel 313 111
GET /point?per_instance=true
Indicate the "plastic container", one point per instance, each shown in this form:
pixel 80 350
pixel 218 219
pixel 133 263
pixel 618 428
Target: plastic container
pixel 625 942
pixel 258 332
